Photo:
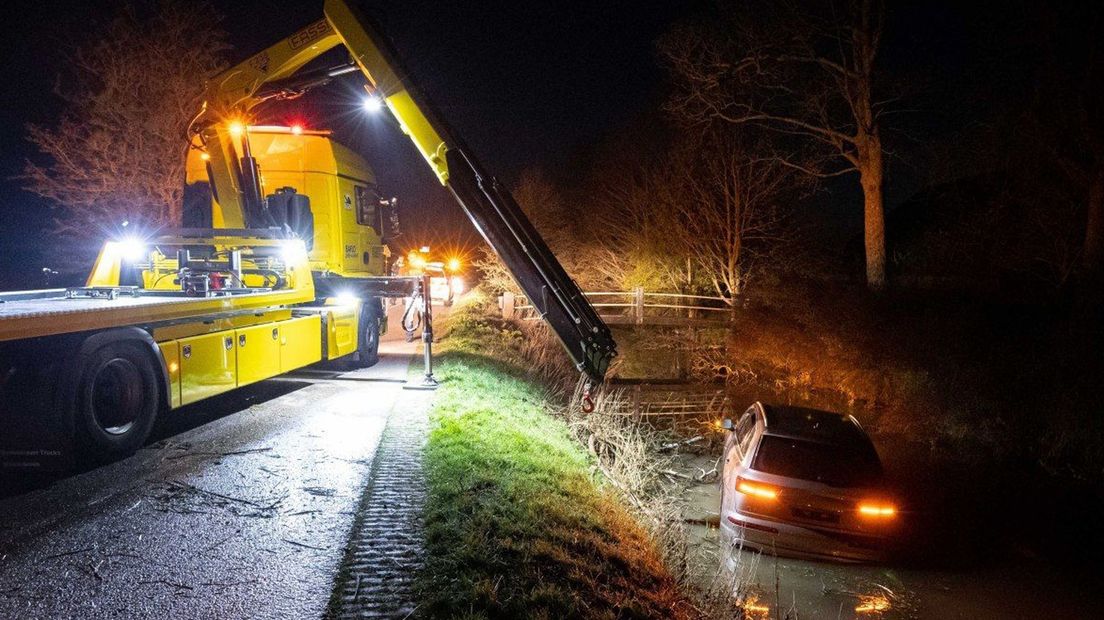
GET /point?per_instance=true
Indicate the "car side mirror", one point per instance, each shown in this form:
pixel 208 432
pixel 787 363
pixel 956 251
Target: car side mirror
pixel 726 424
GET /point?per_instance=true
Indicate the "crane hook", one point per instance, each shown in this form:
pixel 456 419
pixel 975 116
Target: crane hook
pixel 588 402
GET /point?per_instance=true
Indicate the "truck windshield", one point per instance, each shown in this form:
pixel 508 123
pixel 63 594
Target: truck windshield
pixel 837 465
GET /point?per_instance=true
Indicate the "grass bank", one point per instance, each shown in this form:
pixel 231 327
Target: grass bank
pixel 518 524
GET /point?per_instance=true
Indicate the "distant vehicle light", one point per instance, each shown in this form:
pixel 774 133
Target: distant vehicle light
pixel 877 511
pixel 372 104
pixel 454 264
pixel 755 489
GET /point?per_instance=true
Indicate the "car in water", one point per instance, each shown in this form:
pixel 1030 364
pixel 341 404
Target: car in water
pixel 804 483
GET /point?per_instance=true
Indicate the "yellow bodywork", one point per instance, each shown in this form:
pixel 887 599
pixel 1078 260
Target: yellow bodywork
pixel 338 182
pixel 208 345
pixel 213 362
pixel 208 366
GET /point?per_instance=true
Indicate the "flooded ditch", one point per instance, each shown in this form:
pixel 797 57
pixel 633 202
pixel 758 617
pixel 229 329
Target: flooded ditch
pixel 961 559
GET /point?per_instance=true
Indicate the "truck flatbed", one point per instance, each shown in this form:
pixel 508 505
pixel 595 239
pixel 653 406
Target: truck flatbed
pixel 31 314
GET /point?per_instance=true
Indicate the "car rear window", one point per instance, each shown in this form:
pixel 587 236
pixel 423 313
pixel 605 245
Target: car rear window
pixel 837 465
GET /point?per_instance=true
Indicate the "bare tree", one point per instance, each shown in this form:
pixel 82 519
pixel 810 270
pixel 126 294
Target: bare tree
pixel 640 219
pixel 701 217
pixel 547 210
pixel 805 73
pixel 553 217
pixel 1065 121
pixel 731 212
pixel 117 154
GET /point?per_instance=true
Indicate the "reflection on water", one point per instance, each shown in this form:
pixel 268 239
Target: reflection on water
pixel 755 610
pixel 873 604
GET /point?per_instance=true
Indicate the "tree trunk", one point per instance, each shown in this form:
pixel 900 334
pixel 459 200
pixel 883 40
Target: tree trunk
pixel 1092 261
pixel 870 175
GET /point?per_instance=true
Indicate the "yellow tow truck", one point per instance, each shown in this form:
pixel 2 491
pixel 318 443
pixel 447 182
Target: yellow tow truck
pixel 284 265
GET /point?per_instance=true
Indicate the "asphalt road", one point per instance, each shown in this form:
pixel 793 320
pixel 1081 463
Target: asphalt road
pixel 240 507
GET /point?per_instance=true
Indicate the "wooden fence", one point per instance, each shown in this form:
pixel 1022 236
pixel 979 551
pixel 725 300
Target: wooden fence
pixel 638 307
pixel 639 402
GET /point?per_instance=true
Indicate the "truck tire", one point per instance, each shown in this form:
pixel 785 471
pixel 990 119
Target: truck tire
pixel 117 401
pixel 368 341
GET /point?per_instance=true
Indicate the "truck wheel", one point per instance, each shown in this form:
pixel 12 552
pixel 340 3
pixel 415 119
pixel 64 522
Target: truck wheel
pixel 117 401
pixel 368 343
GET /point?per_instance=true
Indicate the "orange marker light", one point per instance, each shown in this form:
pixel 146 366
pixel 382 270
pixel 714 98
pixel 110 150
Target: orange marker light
pixel 205 156
pixel 755 489
pixel 297 129
pixel 877 511
pixel 237 128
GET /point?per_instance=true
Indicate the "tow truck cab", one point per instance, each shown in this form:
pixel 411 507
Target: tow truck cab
pixel 352 222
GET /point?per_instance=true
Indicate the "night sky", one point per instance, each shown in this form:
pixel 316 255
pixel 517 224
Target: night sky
pixel 527 84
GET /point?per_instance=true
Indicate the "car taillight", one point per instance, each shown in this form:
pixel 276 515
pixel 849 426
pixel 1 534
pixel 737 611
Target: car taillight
pixel 756 489
pixel 872 510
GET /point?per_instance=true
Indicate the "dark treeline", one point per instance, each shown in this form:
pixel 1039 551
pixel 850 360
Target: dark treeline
pixel 921 146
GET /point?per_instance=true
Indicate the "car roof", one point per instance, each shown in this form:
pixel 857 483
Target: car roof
pixel 812 424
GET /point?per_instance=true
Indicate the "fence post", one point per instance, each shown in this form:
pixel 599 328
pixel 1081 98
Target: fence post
pixel 638 304
pixel 506 303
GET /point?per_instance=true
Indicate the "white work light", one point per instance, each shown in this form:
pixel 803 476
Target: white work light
pixel 132 249
pixel 372 104
pixel 346 298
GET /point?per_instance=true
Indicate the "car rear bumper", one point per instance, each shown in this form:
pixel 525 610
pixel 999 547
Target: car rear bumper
pixel 784 539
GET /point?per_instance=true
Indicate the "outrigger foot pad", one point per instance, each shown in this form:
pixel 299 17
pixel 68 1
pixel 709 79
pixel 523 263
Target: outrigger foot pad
pixel 427 383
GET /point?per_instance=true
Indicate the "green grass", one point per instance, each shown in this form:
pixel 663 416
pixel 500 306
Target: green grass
pixel 517 523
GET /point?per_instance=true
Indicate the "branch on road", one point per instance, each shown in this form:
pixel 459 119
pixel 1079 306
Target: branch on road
pixel 166 582
pixel 231 453
pixel 68 553
pixel 299 544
